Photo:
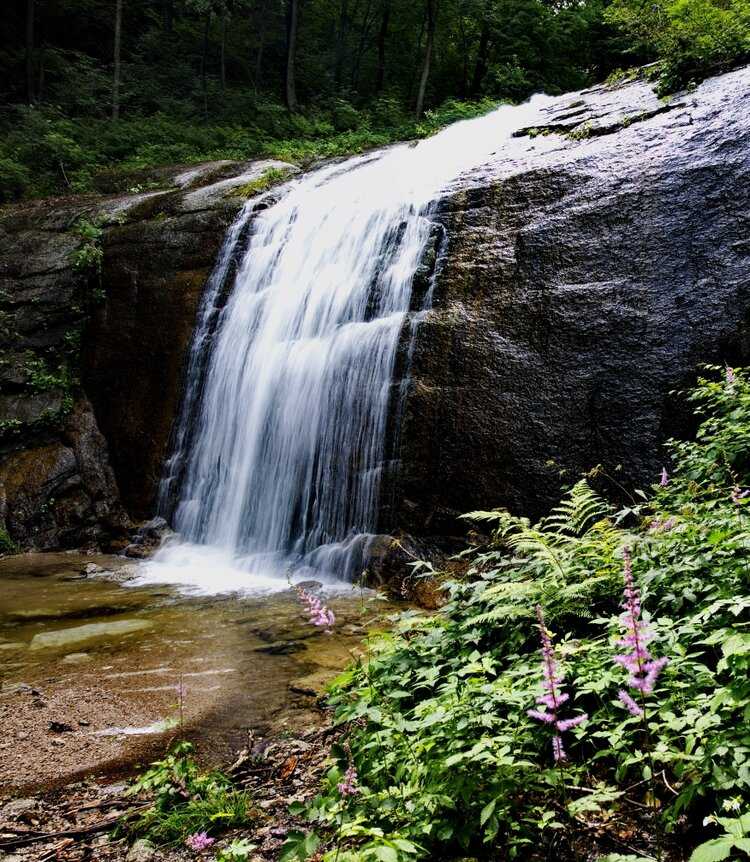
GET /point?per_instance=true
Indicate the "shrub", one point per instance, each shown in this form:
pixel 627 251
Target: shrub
pixel 690 38
pixel 187 800
pixel 436 715
pixel 14 179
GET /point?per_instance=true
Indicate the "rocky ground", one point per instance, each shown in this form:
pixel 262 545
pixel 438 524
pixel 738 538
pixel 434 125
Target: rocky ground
pixel 76 822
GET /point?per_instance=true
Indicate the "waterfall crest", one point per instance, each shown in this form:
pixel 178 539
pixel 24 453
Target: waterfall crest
pixel 279 449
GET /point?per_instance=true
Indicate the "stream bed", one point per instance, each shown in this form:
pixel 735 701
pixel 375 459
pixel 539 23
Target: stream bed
pixel 97 674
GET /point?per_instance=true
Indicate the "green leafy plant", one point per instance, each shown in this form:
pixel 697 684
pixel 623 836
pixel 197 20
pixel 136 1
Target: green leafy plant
pixel 7 545
pixel 187 800
pixel 736 837
pixel 435 715
pixel 238 851
pixel 88 257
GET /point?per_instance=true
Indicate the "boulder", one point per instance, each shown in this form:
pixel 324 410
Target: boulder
pixel 587 274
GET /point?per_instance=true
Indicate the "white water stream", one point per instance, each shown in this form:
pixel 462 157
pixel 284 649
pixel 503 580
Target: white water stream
pixel 280 448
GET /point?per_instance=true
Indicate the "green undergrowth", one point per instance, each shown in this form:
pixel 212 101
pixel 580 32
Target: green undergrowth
pixel 42 152
pixel 268 179
pixel 186 800
pixel 435 717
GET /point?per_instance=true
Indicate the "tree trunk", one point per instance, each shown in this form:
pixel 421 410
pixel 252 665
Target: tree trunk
pixel 464 85
pixel 30 51
pixel 168 16
pixel 341 36
pixel 116 79
pixel 382 38
pixel 480 66
pixel 42 78
pixel 262 18
pixel 290 91
pixel 223 59
pixel 204 62
pixel 363 34
pixel 431 20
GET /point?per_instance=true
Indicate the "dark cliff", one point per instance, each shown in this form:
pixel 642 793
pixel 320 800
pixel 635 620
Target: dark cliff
pixel 580 281
pixel 91 370
pixel 580 285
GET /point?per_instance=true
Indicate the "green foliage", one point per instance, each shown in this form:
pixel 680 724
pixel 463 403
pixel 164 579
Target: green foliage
pixel 691 38
pixel 202 80
pixel 736 837
pixel 187 800
pixel 238 851
pixel 268 179
pixel 436 712
pixel 7 545
pixel 41 379
pixel 87 258
pixel 14 179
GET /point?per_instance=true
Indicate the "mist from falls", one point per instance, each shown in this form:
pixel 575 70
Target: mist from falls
pixel 280 448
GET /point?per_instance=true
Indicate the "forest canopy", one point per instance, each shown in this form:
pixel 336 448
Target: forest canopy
pixel 91 91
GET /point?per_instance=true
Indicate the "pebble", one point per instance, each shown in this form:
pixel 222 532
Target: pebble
pixel 19 808
pixel 141 851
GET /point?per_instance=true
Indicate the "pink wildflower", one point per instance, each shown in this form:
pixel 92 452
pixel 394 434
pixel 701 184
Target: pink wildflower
pixel 199 841
pixel 629 703
pixel 730 376
pixel 320 615
pixel 644 670
pixel 738 495
pixel 553 698
pixel 657 525
pixel 348 786
pixel 664 481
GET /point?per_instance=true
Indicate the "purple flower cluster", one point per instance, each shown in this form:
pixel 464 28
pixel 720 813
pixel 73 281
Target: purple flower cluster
pixel 320 615
pixel 553 698
pixel 348 786
pixel 199 841
pixel 738 495
pixel 662 526
pixel 664 480
pixel 644 670
pixel 730 376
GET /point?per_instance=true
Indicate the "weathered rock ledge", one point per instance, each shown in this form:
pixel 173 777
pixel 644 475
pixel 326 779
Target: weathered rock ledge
pixel 90 375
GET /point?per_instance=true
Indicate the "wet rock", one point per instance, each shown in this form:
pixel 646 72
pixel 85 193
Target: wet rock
pixel 148 538
pixel 61 492
pixel 57 488
pixel 309 585
pixel 282 648
pixel 63 638
pixel 76 658
pixel 583 281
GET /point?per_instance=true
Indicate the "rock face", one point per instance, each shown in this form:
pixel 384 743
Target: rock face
pixel 585 277
pixel 580 277
pixel 91 365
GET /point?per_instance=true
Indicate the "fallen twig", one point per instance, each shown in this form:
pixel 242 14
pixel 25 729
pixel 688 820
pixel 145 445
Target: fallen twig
pixel 32 837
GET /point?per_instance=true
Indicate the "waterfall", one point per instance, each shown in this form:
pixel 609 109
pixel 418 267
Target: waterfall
pixel 280 446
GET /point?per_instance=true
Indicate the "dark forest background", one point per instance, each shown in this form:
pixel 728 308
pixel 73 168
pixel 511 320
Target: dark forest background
pixel 93 92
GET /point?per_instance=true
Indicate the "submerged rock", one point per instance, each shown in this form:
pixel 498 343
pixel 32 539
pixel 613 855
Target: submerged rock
pixel 63 638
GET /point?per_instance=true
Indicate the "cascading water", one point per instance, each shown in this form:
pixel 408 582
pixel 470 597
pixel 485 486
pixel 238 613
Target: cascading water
pixel 280 446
